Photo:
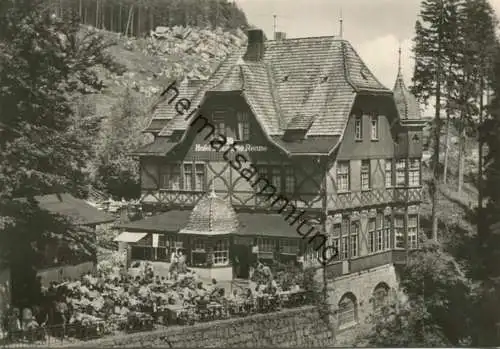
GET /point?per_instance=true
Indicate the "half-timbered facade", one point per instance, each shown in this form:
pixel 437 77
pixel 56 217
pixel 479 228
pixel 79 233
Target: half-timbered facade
pixel 314 121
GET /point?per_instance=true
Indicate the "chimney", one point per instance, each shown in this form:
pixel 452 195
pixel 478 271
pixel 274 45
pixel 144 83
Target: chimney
pixel 255 46
pixel 278 36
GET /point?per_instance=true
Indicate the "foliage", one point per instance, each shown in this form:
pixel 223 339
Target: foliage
pixel 140 17
pixel 438 307
pixel 116 172
pixel 44 145
pixel 488 240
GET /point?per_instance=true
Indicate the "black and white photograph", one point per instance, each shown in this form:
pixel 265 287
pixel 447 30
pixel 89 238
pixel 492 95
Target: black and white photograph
pixel 249 173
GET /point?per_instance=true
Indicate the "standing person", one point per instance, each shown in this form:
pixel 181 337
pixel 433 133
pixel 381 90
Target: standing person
pixel 254 258
pixel 174 263
pixel 182 262
pixel 300 260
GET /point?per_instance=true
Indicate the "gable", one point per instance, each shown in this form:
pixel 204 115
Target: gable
pixel 306 84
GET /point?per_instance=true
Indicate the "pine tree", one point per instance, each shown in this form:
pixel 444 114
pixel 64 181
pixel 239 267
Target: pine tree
pixel 436 34
pixel 44 145
pixel 478 22
pixel 488 239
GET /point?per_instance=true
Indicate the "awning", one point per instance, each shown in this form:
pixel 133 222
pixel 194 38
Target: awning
pixel 202 233
pixel 129 237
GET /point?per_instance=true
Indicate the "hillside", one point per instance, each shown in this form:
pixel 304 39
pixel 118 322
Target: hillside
pixel 150 63
pixel 454 208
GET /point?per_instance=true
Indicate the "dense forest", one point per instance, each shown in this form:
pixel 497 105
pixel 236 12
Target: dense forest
pixel 139 17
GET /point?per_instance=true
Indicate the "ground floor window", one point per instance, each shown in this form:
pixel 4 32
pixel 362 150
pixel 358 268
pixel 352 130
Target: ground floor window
pixel 399 227
pixel 221 252
pixel 380 295
pixel 354 238
pixel 266 245
pixel 198 253
pixel 142 253
pixel 412 231
pixel 372 247
pixel 348 310
pixel 345 247
pixel 289 246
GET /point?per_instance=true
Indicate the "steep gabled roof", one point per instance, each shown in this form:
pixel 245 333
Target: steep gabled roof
pixel 406 102
pixel 305 84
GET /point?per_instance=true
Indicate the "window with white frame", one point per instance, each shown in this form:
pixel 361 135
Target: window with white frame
pixel 200 178
pixel 414 173
pixel 401 173
pixel 266 245
pixel 358 127
pixel 365 175
pixel 336 229
pixel 372 247
pixel 170 177
pixel 345 247
pixel 221 252
pixel 243 126
pixel 343 176
pixel 399 234
pixel 374 127
pixel 348 310
pixel 380 232
pixel 198 252
pixel 174 242
pixel 276 178
pixel 188 176
pixel 354 238
pixel 387 232
pixel 389 183
pixel 218 119
pixel 334 243
pixel 289 246
pixel 289 180
pixel 412 231
pixel 263 180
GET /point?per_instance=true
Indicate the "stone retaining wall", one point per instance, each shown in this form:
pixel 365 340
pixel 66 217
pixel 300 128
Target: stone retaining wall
pixel 288 328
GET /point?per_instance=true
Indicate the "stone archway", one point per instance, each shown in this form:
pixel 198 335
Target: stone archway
pixel 380 295
pixel 347 314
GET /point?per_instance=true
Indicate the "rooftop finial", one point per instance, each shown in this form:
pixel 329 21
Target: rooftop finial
pixel 399 58
pixel 275 26
pixel 341 29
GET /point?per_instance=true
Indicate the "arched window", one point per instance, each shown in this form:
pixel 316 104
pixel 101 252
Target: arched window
pixel 380 295
pixel 348 310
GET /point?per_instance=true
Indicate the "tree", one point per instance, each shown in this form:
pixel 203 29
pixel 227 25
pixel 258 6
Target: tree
pixel 477 24
pixel 437 310
pixel 488 238
pixel 436 33
pixel 44 145
pixel 117 173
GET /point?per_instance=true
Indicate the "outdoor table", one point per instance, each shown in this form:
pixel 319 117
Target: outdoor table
pixel 215 310
pixel 175 312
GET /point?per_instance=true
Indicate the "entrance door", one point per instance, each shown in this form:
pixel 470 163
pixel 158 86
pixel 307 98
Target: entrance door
pixel 242 260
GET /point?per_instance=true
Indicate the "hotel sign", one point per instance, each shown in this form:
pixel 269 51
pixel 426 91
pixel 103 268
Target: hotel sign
pixel 238 147
pixel 230 144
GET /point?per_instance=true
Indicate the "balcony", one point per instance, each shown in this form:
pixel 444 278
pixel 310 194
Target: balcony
pixel 358 264
pixel 374 197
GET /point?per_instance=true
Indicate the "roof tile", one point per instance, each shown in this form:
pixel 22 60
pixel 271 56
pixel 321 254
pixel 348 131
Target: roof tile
pixel 300 84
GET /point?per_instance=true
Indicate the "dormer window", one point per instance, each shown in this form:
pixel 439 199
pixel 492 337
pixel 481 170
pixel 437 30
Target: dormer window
pixel 358 128
pixel 285 78
pixel 218 119
pixel 374 127
pixel 243 126
pixel 325 79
